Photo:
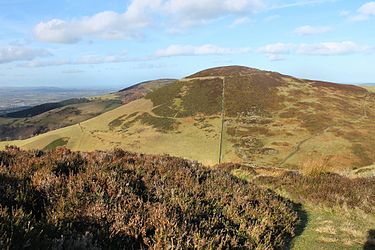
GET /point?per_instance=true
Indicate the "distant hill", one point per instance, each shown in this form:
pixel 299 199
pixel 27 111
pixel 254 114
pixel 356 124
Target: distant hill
pixel 24 97
pixel 25 122
pixel 42 108
pixel 140 90
pixel 235 114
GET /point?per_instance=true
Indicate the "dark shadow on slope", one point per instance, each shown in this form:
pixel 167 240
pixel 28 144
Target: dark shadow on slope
pixel 303 219
pixel 18 193
pixel 370 243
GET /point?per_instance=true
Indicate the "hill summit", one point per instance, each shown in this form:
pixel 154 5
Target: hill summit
pixel 236 114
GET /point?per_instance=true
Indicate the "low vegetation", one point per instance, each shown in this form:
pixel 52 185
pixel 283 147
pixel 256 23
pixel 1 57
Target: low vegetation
pixel 57 143
pixel 188 98
pixel 337 212
pixel 326 189
pixel 113 200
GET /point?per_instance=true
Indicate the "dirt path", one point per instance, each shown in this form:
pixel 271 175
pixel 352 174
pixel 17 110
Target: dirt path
pixel 296 149
pixel 299 145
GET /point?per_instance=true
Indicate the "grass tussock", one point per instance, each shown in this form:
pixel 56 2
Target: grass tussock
pixel 315 166
pixel 325 189
pixel 117 200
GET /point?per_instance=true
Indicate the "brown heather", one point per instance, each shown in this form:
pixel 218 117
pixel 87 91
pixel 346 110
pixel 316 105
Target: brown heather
pixel 118 200
pixel 325 189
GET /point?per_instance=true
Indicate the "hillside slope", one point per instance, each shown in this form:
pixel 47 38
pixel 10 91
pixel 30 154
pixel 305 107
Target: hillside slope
pixel 50 116
pixel 236 114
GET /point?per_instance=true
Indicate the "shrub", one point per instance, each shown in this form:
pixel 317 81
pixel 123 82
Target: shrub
pixel 62 199
pixel 325 189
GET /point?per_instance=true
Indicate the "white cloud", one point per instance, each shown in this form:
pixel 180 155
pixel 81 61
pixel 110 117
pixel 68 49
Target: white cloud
pixel 194 12
pixel 189 50
pixel 365 12
pixel 310 30
pixel 172 15
pixel 170 51
pixel 139 15
pixel 299 3
pixel 19 53
pixel 332 48
pixel 278 51
pixel 104 25
pixel 276 48
pixel 82 60
pixel 44 63
pixel 240 21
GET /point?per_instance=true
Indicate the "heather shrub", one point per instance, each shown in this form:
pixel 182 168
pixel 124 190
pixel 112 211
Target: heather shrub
pixel 325 189
pixel 119 200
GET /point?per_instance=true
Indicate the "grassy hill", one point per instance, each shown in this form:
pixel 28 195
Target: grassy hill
pixel 50 116
pixel 370 88
pixel 236 114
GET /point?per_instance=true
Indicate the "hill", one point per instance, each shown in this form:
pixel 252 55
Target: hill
pixel 31 121
pixel 139 90
pixel 370 88
pixel 237 114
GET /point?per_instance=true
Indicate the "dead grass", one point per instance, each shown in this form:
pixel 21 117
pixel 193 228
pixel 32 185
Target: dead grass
pixel 316 166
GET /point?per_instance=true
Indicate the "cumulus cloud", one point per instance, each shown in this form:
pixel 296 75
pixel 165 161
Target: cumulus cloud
pixel 105 25
pixel 19 53
pixel 190 50
pixel 278 51
pixel 139 15
pixel 365 12
pixel 194 12
pixel 311 30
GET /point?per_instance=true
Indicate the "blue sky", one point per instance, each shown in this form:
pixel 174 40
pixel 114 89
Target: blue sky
pixel 113 43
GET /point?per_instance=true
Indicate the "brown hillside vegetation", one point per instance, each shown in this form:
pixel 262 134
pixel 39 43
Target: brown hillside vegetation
pixel 119 200
pixel 339 211
pixel 237 114
pixel 141 89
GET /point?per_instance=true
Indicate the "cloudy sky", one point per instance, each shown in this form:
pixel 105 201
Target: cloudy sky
pixel 115 43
